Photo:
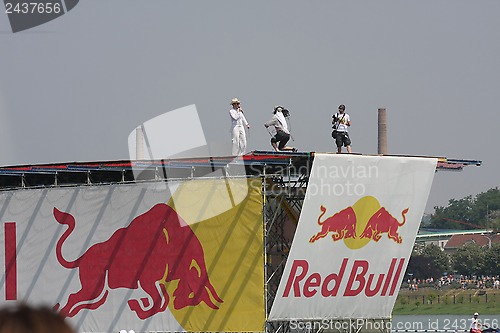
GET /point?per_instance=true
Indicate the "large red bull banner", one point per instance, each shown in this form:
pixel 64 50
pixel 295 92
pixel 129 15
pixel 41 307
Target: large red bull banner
pixel 355 235
pixel 135 257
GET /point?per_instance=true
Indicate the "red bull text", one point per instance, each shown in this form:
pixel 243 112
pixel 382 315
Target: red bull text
pixel 303 283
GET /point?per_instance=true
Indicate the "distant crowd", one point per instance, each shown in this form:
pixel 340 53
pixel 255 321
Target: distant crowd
pixel 464 281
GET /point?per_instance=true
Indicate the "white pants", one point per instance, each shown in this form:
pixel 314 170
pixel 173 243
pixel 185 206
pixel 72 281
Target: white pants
pixel 239 140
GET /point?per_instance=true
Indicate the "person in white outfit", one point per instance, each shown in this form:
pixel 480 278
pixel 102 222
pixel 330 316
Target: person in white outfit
pixel 238 124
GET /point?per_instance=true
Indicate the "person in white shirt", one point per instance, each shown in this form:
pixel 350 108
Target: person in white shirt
pixel 475 326
pixel 280 139
pixel 341 121
pixel 238 124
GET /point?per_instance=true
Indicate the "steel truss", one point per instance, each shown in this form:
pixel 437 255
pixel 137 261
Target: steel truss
pixel 283 196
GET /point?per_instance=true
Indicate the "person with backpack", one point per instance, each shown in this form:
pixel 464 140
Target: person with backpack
pixel 340 122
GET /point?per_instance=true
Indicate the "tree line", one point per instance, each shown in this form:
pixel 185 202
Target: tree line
pixel 469 213
pixel 479 212
pixel 469 259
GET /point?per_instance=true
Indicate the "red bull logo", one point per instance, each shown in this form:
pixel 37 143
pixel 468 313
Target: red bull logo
pixel 366 220
pixel 341 225
pixel 356 225
pixel 383 222
pixel 156 248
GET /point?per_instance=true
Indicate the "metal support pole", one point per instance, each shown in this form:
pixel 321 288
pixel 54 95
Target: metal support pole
pixel 264 209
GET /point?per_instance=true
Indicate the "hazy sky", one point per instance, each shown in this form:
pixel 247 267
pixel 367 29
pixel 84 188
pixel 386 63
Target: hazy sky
pixel 74 88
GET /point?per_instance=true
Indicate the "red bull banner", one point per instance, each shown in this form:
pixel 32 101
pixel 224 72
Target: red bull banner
pixel 135 257
pixel 355 235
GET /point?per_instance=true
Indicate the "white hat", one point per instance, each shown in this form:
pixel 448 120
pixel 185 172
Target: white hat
pixel 234 101
pixel 123 331
pixel 476 314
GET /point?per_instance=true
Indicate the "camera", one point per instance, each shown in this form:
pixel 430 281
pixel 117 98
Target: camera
pixel 286 113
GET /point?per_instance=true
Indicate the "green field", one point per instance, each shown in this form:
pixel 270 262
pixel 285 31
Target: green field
pixel 449 302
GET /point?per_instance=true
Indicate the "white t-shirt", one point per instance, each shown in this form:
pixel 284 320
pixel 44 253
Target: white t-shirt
pixel 475 324
pixel 343 119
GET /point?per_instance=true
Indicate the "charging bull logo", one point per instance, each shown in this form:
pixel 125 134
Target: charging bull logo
pixel 342 225
pixel 156 248
pixel 383 222
pixel 366 220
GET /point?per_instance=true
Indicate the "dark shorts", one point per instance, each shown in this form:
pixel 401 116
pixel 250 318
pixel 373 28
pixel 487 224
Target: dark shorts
pixel 343 139
pixel 282 138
